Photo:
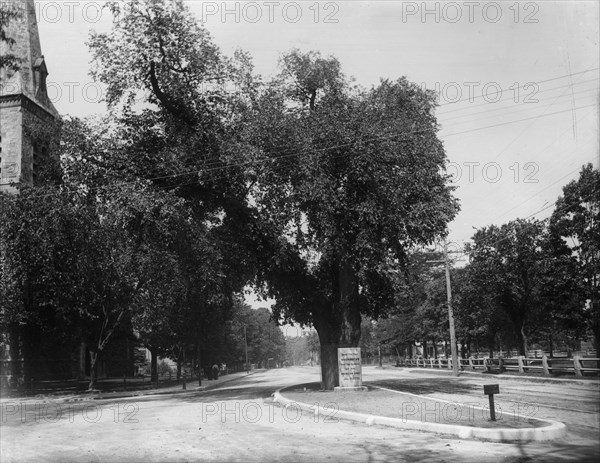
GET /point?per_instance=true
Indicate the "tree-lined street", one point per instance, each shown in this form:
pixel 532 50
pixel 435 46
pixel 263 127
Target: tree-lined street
pixel 217 197
pixel 238 422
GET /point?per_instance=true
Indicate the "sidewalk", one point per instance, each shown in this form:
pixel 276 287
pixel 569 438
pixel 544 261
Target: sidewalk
pixel 177 388
pixel 495 376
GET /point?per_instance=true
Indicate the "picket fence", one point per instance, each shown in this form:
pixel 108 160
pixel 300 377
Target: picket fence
pixel 547 365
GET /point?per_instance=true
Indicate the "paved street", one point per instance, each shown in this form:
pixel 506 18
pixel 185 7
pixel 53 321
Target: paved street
pixel 237 422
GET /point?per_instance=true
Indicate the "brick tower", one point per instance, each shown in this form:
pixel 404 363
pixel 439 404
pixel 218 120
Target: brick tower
pixel 28 119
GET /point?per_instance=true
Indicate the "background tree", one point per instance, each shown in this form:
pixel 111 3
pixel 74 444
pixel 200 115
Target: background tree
pixel 479 318
pixel 577 218
pixel 303 349
pixel 508 262
pixel 264 338
pixel 185 144
pixel 530 277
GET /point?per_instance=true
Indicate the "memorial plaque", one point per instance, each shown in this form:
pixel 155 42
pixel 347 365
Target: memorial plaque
pixel 350 370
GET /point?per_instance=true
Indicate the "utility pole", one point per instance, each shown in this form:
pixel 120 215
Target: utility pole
pixel 453 349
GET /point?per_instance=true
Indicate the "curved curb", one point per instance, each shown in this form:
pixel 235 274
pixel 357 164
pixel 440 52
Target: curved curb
pixel 554 430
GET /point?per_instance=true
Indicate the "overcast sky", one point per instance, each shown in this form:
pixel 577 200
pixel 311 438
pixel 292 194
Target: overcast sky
pixel 518 80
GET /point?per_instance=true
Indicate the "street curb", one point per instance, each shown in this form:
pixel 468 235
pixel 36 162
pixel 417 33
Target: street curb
pixel 134 394
pixel 178 391
pixel 554 430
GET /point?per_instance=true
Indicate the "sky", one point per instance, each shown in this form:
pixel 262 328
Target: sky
pixel 518 81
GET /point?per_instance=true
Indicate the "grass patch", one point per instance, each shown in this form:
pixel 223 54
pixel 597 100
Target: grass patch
pixel 408 407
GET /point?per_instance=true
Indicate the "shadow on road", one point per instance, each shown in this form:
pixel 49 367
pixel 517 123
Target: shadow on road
pixel 556 452
pixel 237 392
pixel 427 386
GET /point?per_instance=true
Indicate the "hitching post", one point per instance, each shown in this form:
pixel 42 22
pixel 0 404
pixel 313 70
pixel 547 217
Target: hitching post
pixel 490 390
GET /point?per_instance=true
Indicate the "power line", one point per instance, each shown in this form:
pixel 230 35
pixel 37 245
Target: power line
pixel 513 88
pixel 553 183
pixel 512 110
pixel 534 121
pixel 566 206
pixel 522 86
pixel 504 99
pixel 516 121
pixel 216 166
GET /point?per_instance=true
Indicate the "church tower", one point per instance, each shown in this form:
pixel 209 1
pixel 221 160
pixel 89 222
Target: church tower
pixel 28 119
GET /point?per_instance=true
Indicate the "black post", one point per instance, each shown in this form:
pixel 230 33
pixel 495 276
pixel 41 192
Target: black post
pixel 492 409
pixel 490 390
pixel 183 379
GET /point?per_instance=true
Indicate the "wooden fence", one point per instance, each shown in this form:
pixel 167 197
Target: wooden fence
pixel 576 365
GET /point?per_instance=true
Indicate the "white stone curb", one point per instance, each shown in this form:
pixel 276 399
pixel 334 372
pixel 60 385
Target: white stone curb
pixel 553 430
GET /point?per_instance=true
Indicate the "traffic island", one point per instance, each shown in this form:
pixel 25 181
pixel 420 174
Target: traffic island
pixel 379 406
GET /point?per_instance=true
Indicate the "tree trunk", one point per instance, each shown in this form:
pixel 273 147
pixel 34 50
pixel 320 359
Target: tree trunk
pixel 153 366
pixel 338 324
pixel 178 368
pixel 329 366
pixel 30 350
pixel 199 355
pixel 193 368
pixel 348 304
pixel 491 344
pixel 595 310
pixel 93 369
pixel 522 340
pixel 14 357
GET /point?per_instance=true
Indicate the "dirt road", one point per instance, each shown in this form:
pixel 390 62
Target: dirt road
pixel 239 423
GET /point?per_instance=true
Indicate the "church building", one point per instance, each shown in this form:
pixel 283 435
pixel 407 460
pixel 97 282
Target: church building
pixel 28 119
pixel 29 141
